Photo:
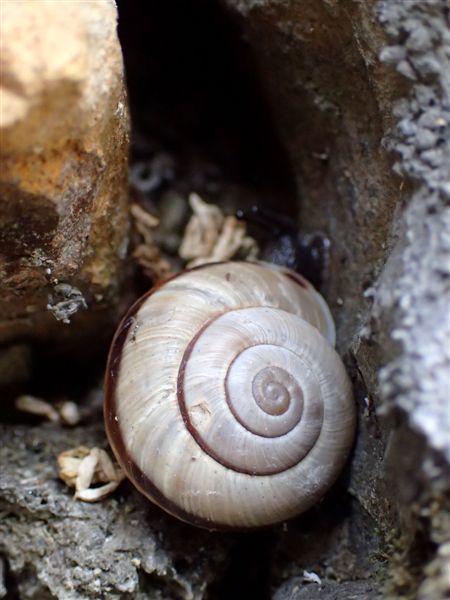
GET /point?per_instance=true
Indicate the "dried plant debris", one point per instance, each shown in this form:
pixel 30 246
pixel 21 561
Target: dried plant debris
pixel 311 577
pixel 83 468
pixel 211 237
pixel 68 412
pixel 147 253
pixel 65 412
pixel 65 301
pixel 148 175
pixel 203 229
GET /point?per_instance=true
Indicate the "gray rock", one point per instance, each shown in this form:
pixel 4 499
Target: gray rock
pixel 297 589
pixel 61 548
pixel 390 252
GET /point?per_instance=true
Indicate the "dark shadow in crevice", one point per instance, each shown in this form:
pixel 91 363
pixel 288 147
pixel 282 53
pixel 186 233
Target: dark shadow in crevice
pixel 249 570
pixel 194 92
pixel 199 114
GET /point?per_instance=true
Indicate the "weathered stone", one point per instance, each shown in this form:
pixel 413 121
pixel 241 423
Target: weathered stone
pixel 344 115
pixel 123 547
pixel 297 589
pixel 64 127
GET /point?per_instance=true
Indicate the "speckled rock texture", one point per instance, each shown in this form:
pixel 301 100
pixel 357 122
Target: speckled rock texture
pixel 361 95
pixel 64 127
pixel 298 589
pixel 60 548
pixel 413 292
pixel 57 547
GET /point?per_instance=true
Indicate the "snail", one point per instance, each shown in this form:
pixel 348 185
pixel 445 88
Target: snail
pixel 225 401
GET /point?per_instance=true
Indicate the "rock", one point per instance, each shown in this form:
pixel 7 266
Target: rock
pixel 61 548
pixel 64 126
pixel 346 117
pixel 297 589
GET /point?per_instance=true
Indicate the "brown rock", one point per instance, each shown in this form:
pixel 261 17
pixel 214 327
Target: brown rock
pixel 64 127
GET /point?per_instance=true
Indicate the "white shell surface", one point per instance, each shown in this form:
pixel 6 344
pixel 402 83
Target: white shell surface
pixel 235 407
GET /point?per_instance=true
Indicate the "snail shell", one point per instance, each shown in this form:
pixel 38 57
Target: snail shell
pixel 226 403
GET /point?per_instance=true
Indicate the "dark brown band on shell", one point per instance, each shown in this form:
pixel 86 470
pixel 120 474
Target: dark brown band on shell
pixel 193 430
pixel 238 418
pixel 132 471
pixel 113 430
pixel 183 408
pixel 297 278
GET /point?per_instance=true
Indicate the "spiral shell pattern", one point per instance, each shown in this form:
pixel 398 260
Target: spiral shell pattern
pixel 225 402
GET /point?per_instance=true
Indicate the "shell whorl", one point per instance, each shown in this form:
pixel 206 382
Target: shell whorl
pixel 225 403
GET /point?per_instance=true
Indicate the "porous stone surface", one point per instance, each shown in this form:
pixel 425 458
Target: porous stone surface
pixel 57 547
pixel 417 381
pixel 298 589
pixel 412 299
pixel 64 127
pixel 360 93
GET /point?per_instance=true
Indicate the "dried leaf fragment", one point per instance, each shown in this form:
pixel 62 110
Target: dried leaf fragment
pixel 211 237
pixel 84 467
pixel 37 406
pixel 147 253
pixel 202 230
pixel 65 412
pixel 68 412
pixel 69 463
pixel 311 577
